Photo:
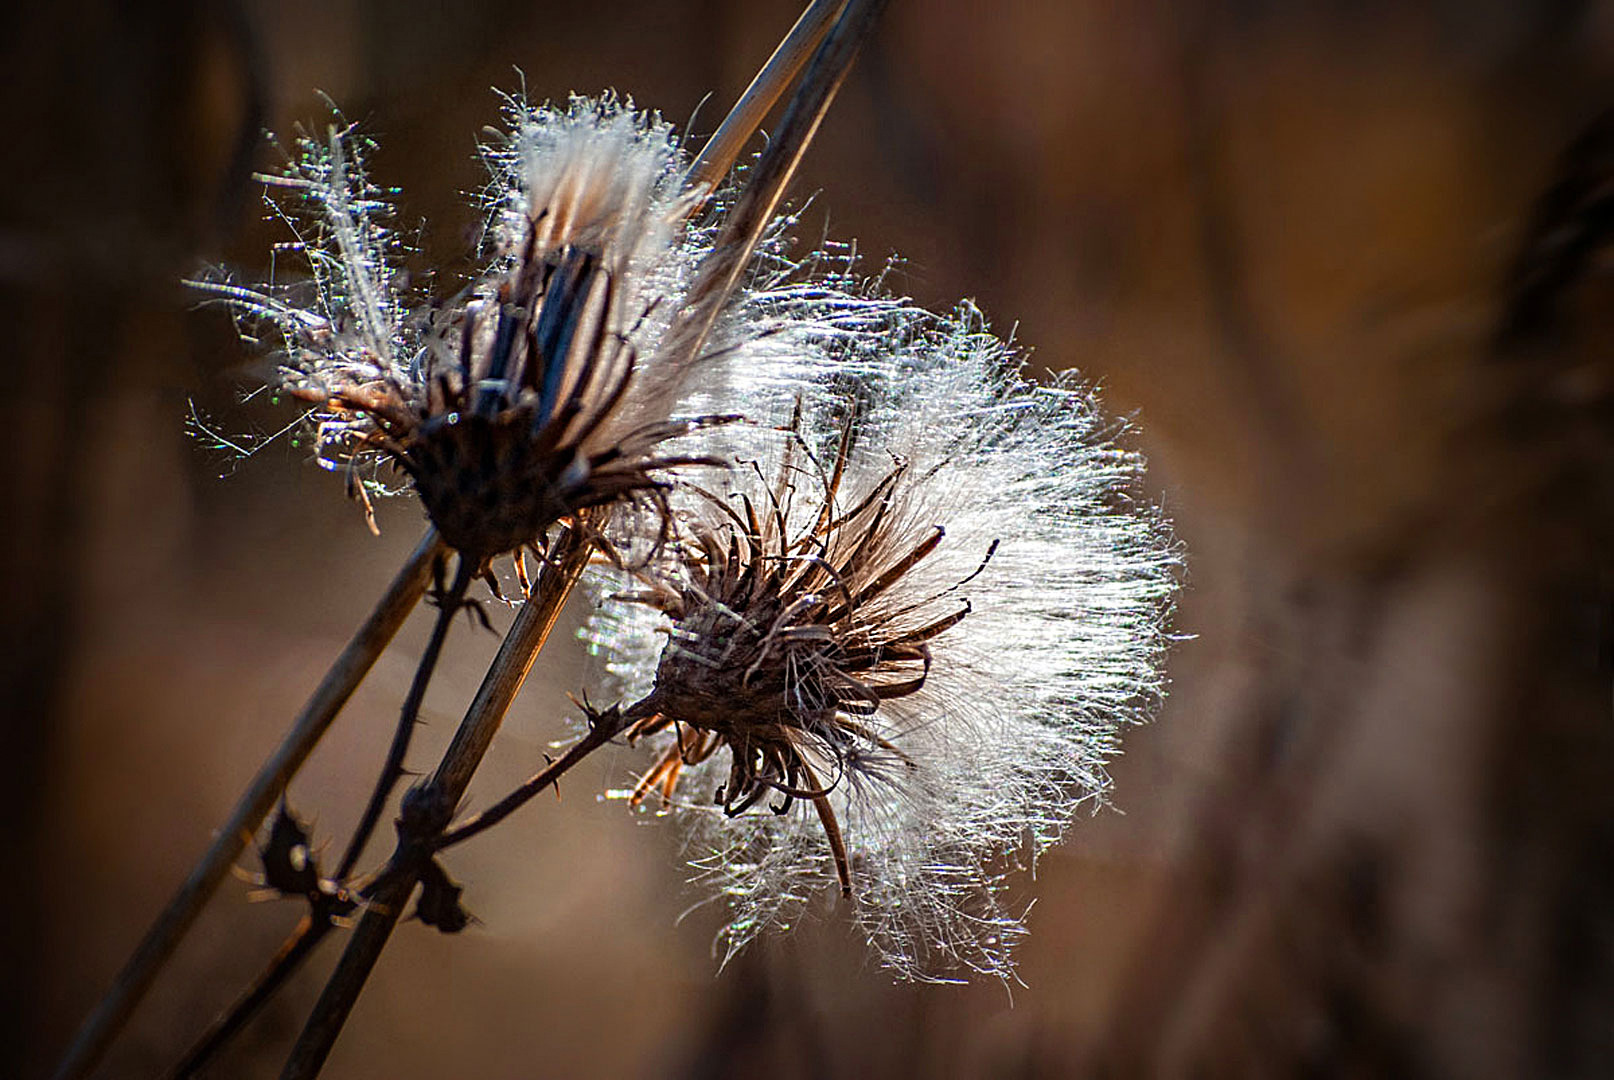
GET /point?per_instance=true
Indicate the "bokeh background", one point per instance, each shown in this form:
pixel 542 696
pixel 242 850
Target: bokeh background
pixel 1331 256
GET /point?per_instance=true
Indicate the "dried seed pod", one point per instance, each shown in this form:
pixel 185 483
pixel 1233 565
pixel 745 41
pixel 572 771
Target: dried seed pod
pixel 547 386
pixel 781 646
pixel 915 628
pixel 516 404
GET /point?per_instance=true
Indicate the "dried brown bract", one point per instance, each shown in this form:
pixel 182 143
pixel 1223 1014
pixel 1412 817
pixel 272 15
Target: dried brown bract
pixel 506 444
pixel 782 646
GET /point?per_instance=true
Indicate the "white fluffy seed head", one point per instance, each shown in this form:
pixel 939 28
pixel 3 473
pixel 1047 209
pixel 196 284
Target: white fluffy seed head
pixel 1024 699
pixel 554 363
pixel 598 175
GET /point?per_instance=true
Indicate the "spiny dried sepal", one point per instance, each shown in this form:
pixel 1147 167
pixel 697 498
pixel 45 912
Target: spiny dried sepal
pixel 291 866
pixel 513 443
pixel 918 642
pixel 439 904
pixel 288 863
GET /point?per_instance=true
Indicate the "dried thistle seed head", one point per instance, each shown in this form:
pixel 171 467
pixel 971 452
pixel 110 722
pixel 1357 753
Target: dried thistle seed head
pixel 540 390
pixel 784 644
pixel 921 723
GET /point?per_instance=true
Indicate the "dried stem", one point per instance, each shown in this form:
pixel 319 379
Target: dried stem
pixel 392 769
pixel 602 730
pixel 723 148
pixel 296 948
pixel 327 700
pixel 427 808
pixel 731 253
pixel 313 929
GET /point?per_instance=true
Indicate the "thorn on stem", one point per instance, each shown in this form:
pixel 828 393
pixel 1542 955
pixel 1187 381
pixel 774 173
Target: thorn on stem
pixel 439 904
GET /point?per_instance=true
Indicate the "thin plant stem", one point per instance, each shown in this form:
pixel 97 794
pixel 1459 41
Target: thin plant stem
pixel 313 929
pixel 392 769
pixel 298 947
pixel 712 164
pixel 603 731
pixel 367 644
pixel 747 220
pixel 427 808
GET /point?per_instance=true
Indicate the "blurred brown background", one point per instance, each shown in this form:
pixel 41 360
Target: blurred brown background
pixel 1371 834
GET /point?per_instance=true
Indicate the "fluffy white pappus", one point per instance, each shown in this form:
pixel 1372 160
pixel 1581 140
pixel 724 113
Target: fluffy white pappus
pixel 558 361
pixel 943 790
pixel 799 327
pixel 599 176
pixel 595 174
pixel 346 315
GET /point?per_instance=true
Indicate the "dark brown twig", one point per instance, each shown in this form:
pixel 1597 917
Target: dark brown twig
pixel 327 909
pixel 392 769
pixel 602 729
pixel 350 668
pixel 427 808
pixel 298 947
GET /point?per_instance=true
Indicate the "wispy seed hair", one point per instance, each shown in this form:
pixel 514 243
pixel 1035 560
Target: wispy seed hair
pixel 1022 700
pixel 546 384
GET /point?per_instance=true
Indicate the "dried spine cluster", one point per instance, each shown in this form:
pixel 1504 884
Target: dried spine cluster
pixel 781 647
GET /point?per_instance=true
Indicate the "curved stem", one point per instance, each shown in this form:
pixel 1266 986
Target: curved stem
pixel 350 668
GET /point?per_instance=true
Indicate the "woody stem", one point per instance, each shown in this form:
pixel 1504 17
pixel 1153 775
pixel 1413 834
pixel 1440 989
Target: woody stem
pixel 427 808
pixel 355 661
pixel 603 730
pixel 409 716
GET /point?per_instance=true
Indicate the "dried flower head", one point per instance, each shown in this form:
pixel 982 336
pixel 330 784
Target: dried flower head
pixel 545 387
pixel 913 630
pixel 782 646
